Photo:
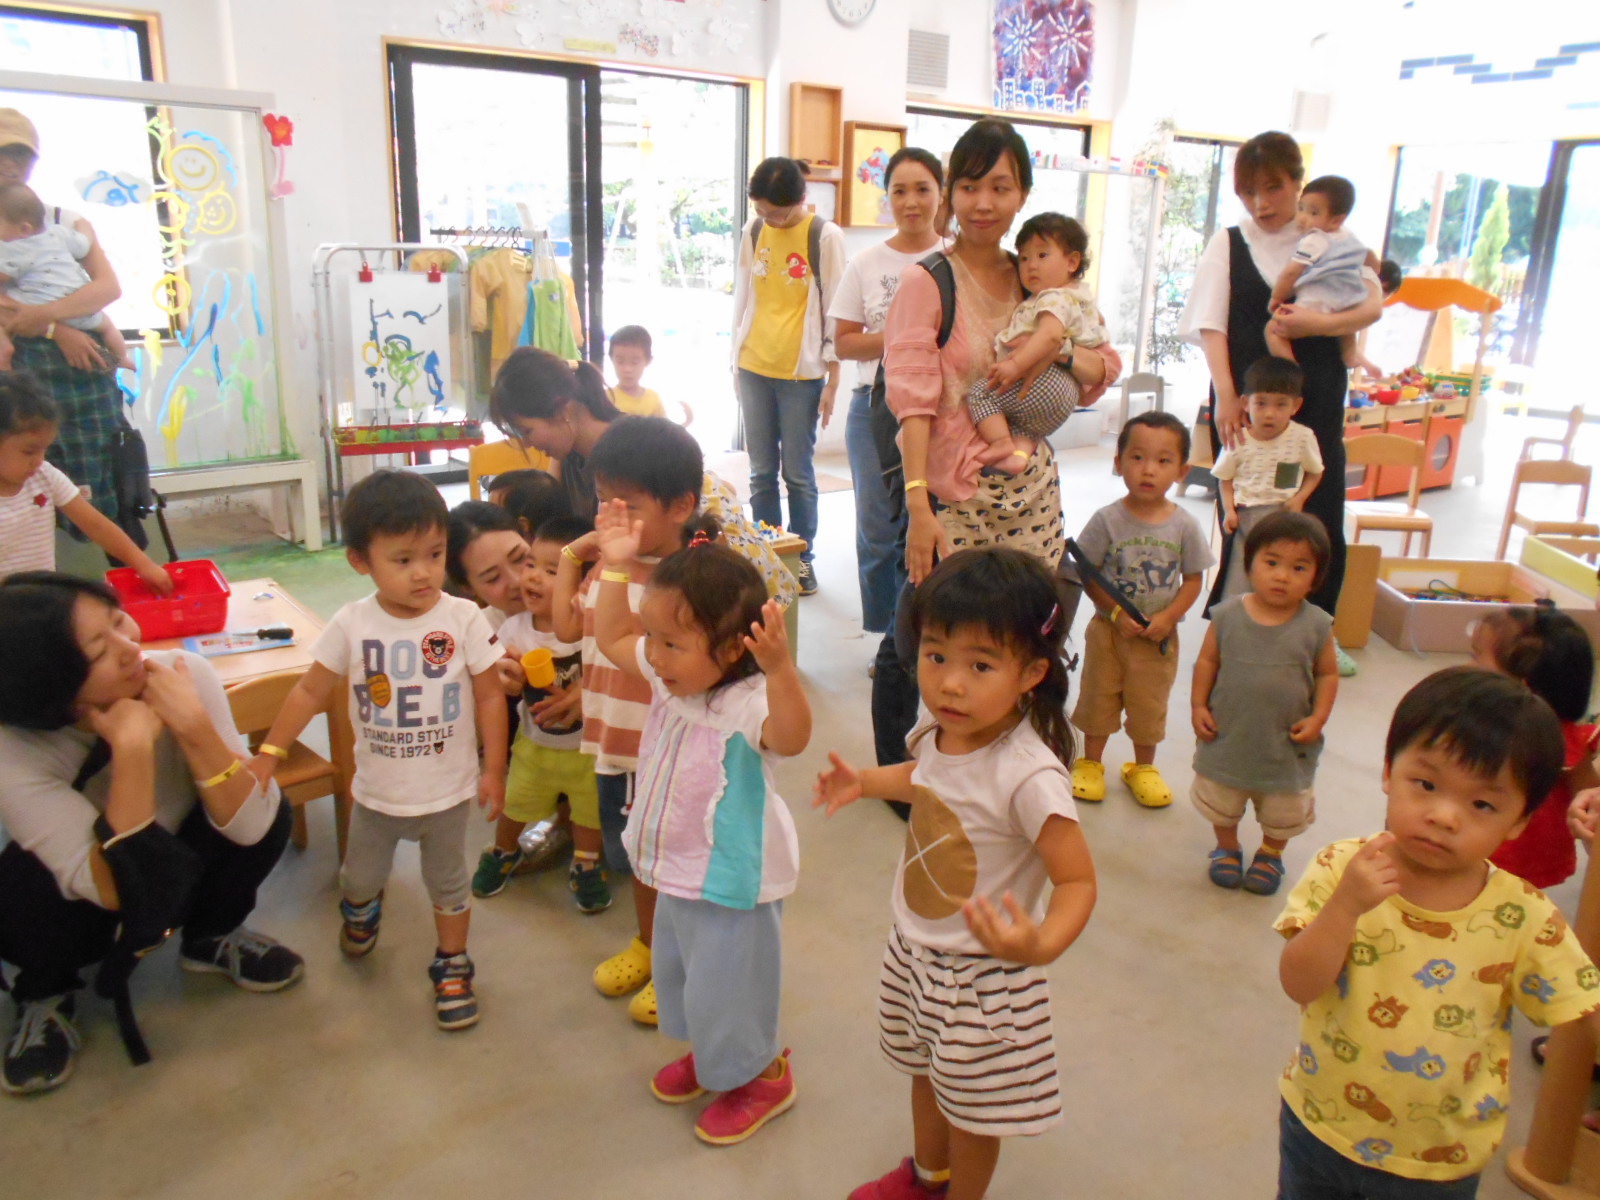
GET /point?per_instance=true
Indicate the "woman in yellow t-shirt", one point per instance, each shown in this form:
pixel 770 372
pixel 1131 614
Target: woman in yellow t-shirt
pixel 784 362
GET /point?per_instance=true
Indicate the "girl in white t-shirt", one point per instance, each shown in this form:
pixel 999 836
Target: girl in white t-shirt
pixel 707 829
pixel 963 1003
pixel 32 491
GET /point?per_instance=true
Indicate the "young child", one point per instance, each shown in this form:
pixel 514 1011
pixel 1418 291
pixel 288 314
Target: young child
pixel 1549 652
pixel 421 671
pixel 1155 553
pixel 1275 466
pixel 39 263
pixel 1408 950
pixel 1052 255
pixel 1264 687
pixel 532 497
pixel 547 762
pixel 963 1000
pixel 1325 273
pixel 630 355
pixel 32 490
pixel 708 829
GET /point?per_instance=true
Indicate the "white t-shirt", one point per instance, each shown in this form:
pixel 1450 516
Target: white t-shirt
pixel 866 290
pixel 28 521
pixel 519 636
pixel 707 822
pixel 1270 472
pixel 417 750
pixel 972 831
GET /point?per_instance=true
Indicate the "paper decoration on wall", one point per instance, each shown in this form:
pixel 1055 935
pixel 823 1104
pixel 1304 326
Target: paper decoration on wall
pixel 401 338
pixel 1043 54
pixel 661 27
pixel 728 34
pixel 115 189
pixel 640 38
pixel 462 19
pixel 281 131
pixel 527 34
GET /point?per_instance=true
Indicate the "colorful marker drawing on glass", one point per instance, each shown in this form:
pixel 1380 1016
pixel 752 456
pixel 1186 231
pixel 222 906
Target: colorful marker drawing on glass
pixel 114 189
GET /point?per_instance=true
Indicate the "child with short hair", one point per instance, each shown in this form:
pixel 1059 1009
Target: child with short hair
pixel 1155 553
pixel 1264 687
pixel 531 496
pixel 39 263
pixel 1027 396
pixel 631 353
pixel 1324 274
pixel 707 828
pixel 1408 950
pixel 963 999
pixel 1275 466
pixel 32 491
pixel 547 760
pixel 420 666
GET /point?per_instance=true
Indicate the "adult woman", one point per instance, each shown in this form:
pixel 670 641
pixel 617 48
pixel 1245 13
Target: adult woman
pixel 69 362
pixel 121 785
pixel 1226 317
pixel 783 355
pixel 860 307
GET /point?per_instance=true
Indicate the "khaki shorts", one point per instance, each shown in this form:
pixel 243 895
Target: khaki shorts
pixel 1280 814
pixel 1125 675
pixel 539 776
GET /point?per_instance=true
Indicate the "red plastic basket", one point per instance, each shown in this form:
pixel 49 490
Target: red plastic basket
pixel 199 603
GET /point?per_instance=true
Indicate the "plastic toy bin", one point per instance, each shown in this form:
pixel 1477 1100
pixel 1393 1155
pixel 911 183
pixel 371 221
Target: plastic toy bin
pixel 198 604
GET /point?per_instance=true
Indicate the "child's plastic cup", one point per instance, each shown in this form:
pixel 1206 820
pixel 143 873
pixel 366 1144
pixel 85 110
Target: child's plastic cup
pixel 539 666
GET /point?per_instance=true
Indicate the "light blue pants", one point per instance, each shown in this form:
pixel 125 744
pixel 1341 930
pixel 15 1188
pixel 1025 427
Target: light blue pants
pixel 780 428
pixel 880 538
pixel 718 972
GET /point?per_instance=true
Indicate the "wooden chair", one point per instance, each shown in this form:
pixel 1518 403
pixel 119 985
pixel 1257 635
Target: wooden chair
pixel 1376 450
pixel 1574 423
pixel 1561 473
pixel 306 775
pixel 496 458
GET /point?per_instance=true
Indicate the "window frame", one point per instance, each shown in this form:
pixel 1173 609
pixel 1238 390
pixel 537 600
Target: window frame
pixel 958 113
pixel 145 27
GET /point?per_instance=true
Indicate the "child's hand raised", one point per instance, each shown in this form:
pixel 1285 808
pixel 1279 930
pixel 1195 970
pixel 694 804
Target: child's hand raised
pixel 1584 816
pixel 617 534
pixel 1369 878
pixel 768 639
pixel 838 787
pixel 1013 940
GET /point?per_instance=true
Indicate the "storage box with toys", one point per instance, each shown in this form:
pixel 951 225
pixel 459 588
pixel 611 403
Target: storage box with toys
pixel 1431 604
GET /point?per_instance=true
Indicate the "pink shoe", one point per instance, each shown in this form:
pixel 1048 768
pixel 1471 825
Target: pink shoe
pixel 675 1083
pixel 899 1184
pixel 734 1116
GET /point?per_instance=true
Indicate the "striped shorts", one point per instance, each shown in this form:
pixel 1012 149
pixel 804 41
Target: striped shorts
pixel 979 1029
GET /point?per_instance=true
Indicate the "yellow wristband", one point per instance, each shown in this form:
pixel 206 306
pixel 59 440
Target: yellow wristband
pixel 566 553
pixel 616 577
pixel 222 777
pixel 277 752
pixel 915 483
pixel 50 330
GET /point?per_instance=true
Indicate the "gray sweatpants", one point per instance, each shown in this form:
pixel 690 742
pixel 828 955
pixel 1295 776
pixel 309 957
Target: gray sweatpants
pixel 442 836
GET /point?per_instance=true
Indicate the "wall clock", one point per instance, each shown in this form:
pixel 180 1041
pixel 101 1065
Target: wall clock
pixel 851 12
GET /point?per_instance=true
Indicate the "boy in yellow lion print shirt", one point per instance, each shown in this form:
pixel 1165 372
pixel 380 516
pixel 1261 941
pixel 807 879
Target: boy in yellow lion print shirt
pixel 1407 952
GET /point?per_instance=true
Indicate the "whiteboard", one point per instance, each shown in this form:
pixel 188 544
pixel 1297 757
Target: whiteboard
pixel 1395 342
pixel 399 333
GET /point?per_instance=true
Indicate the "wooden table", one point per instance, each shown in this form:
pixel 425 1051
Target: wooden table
pixel 256 604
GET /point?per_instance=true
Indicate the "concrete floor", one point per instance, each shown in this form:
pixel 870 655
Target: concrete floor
pixel 1171 1025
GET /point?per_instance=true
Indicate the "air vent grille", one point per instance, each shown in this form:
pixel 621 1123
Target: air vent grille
pixel 927 61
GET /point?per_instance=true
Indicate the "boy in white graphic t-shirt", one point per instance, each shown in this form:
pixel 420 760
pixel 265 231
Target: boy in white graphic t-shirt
pixel 420 667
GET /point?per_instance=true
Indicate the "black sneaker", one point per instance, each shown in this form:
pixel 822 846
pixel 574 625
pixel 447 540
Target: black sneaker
pixel 589 888
pixel 455 1006
pixel 252 960
pixel 806 576
pixel 44 1046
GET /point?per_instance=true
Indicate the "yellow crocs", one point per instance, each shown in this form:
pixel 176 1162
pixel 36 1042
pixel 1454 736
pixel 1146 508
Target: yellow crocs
pixel 1088 780
pixel 642 1008
pixel 621 973
pixel 1145 782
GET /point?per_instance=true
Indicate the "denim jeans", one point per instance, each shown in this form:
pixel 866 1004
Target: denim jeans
pixel 1310 1169
pixel 880 538
pixel 780 425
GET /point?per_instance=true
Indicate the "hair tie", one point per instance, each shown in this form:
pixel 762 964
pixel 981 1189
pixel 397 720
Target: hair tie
pixel 1050 622
pixel 700 538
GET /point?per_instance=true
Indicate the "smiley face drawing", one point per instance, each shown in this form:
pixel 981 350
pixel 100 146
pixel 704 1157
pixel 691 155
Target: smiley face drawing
pixel 941 868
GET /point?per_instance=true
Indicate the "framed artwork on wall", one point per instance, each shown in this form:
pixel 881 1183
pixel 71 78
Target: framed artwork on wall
pixel 867 151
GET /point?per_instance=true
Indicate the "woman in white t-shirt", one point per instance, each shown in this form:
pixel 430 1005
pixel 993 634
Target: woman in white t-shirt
pixel 860 308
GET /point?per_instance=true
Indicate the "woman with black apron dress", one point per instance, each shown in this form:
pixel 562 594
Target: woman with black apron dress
pixel 1227 317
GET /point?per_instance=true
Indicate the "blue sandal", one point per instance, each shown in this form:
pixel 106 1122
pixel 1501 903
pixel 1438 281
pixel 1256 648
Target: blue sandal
pixel 1227 868
pixel 1265 873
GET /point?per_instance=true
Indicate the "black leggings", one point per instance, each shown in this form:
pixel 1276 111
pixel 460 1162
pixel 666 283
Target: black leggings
pixel 50 939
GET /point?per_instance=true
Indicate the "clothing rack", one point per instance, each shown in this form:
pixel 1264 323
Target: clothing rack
pixel 483 235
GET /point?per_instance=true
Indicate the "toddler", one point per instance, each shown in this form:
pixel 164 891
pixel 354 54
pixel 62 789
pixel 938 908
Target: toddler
pixel 420 666
pixel 39 263
pixel 1155 553
pixel 1052 256
pixel 1408 950
pixel 963 998
pixel 547 762
pixel 532 497
pixel 630 355
pixel 1324 275
pixel 708 829
pixel 32 491
pixel 1550 653
pixel 1276 465
pixel 1264 686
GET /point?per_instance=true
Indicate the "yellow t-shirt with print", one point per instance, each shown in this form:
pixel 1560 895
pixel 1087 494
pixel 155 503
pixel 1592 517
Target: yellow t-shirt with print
pixel 645 404
pixel 1403 1063
pixel 782 286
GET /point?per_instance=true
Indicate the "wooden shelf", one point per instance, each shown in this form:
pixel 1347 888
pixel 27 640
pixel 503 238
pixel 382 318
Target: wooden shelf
pixel 816 127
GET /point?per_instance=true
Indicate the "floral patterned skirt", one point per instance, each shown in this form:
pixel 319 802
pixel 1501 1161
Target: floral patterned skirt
pixel 1020 511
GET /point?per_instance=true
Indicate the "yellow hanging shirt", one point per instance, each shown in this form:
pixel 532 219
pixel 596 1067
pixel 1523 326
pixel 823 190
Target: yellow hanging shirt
pixel 782 285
